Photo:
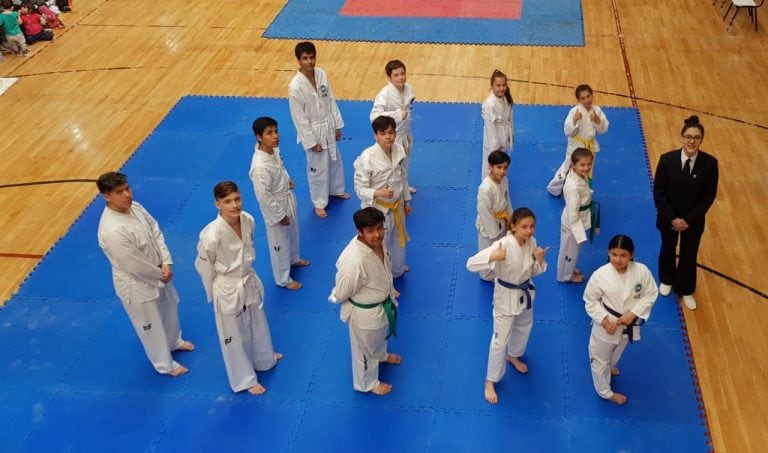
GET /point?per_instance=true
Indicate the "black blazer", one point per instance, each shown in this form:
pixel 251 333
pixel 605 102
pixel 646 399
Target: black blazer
pixel 675 197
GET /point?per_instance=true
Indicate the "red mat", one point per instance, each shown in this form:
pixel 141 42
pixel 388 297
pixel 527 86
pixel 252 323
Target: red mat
pixel 469 9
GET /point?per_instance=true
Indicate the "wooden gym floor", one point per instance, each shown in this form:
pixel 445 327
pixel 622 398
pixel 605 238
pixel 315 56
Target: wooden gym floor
pixel 85 101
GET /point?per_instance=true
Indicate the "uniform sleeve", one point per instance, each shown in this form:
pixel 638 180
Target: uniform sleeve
pixel 660 180
pixel 348 283
pixel 404 176
pixel 572 214
pixel 485 214
pixel 570 129
pixel 362 180
pixel 157 236
pixel 380 108
pixel 204 264
pixel 261 179
pixel 296 104
pixel 489 128
pixel 708 195
pixel 482 260
pixel 337 119
pixel 593 297
pixel 129 259
pixel 643 306
pixel 603 126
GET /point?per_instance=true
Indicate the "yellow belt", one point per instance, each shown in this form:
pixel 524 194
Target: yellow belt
pixel 589 144
pixel 399 220
pixel 503 215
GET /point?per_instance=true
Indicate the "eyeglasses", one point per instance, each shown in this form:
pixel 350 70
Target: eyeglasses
pixel 692 138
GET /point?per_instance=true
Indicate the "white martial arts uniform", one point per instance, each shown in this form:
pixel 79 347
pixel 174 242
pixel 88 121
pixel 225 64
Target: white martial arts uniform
pixel 573 224
pixel 316 118
pixel 373 171
pixel 512 321
pixel 276 201
pixel 498 128
pixel 635 291
pixel 583 134
pixel 363 277
pixel 494 213
pixel 136 248
pixel 225 264
pixel 391 102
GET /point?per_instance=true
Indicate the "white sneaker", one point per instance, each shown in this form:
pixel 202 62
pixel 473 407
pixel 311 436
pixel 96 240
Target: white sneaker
pixel 689 302
pixel 665 289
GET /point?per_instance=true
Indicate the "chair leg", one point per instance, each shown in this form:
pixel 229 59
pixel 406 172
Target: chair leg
pixel 727 11
pixel 730 26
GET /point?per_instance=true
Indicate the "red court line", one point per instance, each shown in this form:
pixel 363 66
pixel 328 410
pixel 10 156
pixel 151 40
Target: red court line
pixel 20 255
pixel 457 9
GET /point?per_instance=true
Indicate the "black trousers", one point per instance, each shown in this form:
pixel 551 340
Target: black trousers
pixel 681 275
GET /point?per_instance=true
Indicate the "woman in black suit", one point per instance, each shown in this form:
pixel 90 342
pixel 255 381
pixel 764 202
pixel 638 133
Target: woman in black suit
pixel 684 188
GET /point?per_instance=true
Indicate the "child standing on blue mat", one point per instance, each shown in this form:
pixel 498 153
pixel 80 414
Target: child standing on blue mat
pixel 619 297
pixel 494 210
pixel 577 216
pixel 514 259
pixel 582 125
pixel 498 122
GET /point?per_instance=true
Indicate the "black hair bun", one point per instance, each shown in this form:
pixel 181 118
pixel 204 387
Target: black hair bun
pixel 692 120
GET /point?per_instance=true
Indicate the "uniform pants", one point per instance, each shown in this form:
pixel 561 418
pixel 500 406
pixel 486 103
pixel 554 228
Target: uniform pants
pixel 603 356
pixel 510 337
pixel 392 241
pixel 283 250
pixel 406 141
pixel 246 345
pixel 369 347
pixel 156 323
pixel 325 176
pixel 682 276
pixel 568 254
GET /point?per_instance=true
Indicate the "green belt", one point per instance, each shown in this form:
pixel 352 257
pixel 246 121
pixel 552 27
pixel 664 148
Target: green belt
pixel 389 309
pixel 594 216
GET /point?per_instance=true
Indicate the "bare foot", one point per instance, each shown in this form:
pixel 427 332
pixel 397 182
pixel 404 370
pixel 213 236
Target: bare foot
pixel 257 389
pixel 577 272
pixel 300 263
pixel 406 269
pixel 344 196
pixel 490 392
pixel 521 367
pixel 411 189
pixel 382 389
pixel 393 359
pixel 178 371
pixel 321 213
pixel 577 278
pixel 618 398
pixel 278 356
pixel 186 346
pixel 615 371
pixel 395 293
pixel 293 285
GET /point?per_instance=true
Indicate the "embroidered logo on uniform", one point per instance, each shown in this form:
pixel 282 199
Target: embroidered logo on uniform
pixel 638 287
pixel 568 259
pixel 147 327
pixel 313 170
pixel 228 340
pixel 323 90
pixel 365 363
pixel 277 248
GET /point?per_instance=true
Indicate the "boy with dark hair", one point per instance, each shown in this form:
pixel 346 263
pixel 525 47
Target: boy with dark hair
pixel 225 257
pixel 368 300
pixel 141 272
pixel 318 124
pixel 396 101
pixel 274 191
pixel 381 181
pixel 494 210
pixel 11 21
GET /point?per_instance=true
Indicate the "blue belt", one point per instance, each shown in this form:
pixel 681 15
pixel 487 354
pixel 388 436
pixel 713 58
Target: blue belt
pixel 525 287
pixel 629 330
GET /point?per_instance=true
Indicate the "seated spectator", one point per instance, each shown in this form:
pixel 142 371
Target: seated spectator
pixel 50 16
pixel 33 24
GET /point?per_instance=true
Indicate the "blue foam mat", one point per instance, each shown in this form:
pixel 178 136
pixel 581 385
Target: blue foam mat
pixel 71 360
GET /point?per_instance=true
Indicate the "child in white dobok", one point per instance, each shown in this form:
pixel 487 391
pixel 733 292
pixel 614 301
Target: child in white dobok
pixel 498 119
pixel 619 297
pixel 514 259
pixel 225 257
pixel 494 210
